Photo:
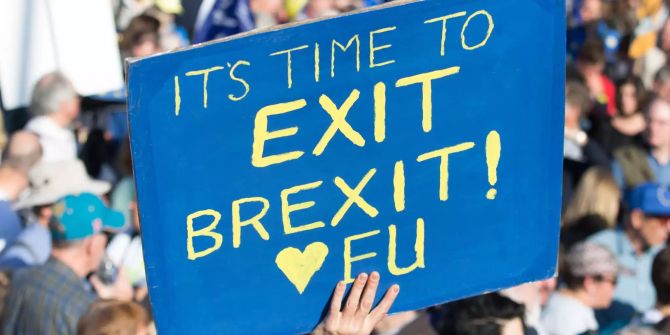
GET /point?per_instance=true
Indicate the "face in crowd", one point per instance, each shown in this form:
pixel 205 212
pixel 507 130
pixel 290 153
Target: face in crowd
pixel 652 230
pixel 601 289
pixel 659 125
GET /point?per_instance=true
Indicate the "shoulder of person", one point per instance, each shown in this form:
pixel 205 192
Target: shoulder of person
pixel 605 237
pixel 36 123
pixel 630 151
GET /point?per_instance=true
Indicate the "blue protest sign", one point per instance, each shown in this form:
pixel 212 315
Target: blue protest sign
pixel 422 140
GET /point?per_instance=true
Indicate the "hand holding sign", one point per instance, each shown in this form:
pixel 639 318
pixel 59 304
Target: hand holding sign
pixel 356 318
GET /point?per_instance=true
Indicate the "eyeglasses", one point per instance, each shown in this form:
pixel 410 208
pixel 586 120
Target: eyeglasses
pixel 601 278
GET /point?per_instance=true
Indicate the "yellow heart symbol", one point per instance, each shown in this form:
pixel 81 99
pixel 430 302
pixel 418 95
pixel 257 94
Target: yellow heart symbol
pixel 299 266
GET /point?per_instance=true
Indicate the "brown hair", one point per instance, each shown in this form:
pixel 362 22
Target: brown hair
pixel 592 52
pixel 140 29
pixel 112 317
pixel 640 93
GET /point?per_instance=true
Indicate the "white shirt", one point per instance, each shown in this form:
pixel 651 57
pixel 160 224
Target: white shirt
pixel 565 315
pixel 58 143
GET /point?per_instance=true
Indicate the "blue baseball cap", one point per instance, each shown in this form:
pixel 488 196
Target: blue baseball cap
pixel 651 198
pixel 76 217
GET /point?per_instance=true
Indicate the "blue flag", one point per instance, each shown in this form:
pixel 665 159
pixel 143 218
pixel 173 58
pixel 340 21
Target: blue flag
pixel 224 18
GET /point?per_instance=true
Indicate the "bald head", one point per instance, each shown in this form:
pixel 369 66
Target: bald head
pixel 23 151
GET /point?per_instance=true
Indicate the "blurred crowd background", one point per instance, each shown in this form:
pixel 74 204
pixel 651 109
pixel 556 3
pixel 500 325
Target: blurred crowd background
pixel 70 248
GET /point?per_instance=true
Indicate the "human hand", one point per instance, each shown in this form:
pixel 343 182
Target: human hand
pixel 356 318
pixel 119 290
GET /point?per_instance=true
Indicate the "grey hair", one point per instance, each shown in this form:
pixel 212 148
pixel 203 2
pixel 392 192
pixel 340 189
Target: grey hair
pixel 49 92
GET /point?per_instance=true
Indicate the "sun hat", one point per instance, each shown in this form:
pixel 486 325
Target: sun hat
pixel 51 181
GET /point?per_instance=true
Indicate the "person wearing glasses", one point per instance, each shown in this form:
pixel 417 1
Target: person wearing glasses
pixel 644 233
pixel 590 277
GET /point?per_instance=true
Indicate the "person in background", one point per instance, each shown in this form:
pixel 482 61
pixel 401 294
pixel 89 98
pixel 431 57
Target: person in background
pixel 634 166
pixel 597 193
pixel 534 296
pixel 491 314
pixel 125 11
pixel 628 124
pixel 170 35
pixel 48 183
pixel 661 87
pixel 644 233
pixel 655 58
pixel 22 153
pixel 142 37
pixel 51 298
pixel 268 13
pixel 107 317
pixel 320 8
pixel 55 106
pixel 586 23
pixel 660 276
pixel 579 151
pixel 590 275
pixel 406 323
pixel 591 64
pixel 344 6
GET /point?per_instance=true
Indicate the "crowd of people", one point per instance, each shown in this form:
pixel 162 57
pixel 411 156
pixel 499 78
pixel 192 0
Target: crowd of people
pixel 70 248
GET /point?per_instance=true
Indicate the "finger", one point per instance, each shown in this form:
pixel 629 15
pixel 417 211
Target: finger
pixel 369 293
pixel 355 294
pixel 385 304
pixel 336 300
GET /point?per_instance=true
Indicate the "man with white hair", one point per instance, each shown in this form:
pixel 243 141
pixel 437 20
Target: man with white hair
pixel 55 105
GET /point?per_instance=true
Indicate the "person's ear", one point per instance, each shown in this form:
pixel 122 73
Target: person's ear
pixel 636 219
pixel 88 245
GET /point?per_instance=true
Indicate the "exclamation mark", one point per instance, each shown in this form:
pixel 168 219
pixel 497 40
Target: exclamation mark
pixel 492 159
pixel 177 96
